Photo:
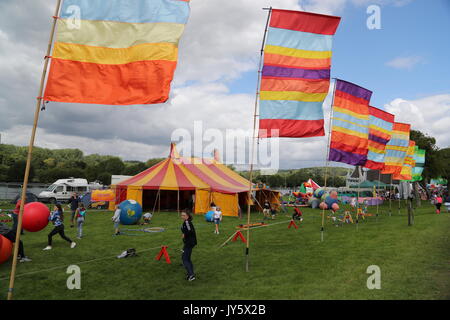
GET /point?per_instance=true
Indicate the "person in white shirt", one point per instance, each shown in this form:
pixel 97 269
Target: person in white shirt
pixel 116 219
pixel 217 219
pixel 147 218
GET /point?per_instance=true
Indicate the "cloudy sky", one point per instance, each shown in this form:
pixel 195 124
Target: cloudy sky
pixel 404 63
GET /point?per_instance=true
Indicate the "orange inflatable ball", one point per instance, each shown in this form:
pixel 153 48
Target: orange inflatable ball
pixel 35 216
pixel 6 247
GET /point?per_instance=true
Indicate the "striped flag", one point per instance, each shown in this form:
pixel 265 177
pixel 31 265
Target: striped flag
pixel 350 126
pixel 419 157
pixel 396 148
pixel 119 52
pixel 380 131
pixel 296 74
pixel 408 164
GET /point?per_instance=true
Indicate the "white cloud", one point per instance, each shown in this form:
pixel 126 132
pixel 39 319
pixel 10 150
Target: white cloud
pixel 430 115
pixel 408 62
pixel 221 42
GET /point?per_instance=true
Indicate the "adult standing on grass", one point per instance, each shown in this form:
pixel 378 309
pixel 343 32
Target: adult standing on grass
pixel 80 215
pixel 217 219
pixel 74 203
pixel 116 219
pixel 189 241
pixel 57 217
pixel 10 234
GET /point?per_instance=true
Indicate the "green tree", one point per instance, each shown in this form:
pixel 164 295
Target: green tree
pixel 16 172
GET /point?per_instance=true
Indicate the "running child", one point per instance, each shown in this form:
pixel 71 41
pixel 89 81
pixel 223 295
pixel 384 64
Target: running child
pixel 57 217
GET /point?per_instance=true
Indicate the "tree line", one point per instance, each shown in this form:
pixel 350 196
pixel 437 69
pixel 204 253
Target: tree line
pixel 49 165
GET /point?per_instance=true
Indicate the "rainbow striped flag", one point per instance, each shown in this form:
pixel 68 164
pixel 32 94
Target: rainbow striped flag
pixel 350 126
pixel 419 158
pixel 296 74
pixel 380 131
pixel 408 164
pixel 119 52
pixel 396 148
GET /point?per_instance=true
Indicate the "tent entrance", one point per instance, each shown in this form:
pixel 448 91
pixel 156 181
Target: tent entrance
pixel 167 200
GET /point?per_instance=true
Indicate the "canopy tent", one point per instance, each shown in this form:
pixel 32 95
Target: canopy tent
pixel 178 183
pixel 379 184
pixel 263 194
pixel 364 184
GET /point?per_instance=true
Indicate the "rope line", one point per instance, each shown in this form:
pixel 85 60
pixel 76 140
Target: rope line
pixel 75 263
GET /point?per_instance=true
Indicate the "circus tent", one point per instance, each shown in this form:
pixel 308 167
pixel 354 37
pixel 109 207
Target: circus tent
pixel 178 183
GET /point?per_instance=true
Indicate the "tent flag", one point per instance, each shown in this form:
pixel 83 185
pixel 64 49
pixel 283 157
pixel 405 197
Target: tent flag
pixel 120 52
pixel 380 131
pixel 408 164
pixel 350 126
pixel 419 157
pixel 396 148
pixel 296 74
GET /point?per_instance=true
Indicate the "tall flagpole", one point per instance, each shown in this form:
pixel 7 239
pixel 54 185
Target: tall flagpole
pixel 250 192
pixel 390 198
pixel 379 178
pixel 30 152
pixel 327 160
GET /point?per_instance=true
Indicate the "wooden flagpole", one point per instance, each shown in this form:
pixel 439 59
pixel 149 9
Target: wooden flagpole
pixel 30 152
pixel 326 160
pixel 390 198
pixel 250 192
pixel 379 178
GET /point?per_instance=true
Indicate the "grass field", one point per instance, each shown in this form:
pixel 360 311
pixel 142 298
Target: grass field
pixel 284 263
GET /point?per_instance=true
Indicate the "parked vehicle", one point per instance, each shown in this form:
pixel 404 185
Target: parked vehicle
pixel 62 189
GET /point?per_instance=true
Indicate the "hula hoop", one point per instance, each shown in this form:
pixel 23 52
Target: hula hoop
pixel 146 230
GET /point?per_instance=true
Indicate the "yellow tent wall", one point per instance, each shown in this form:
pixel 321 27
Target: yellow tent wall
pixel 202 201
pixel 228 203
pixel 134 194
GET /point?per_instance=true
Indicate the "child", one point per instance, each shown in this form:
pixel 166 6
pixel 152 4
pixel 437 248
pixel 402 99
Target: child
pixel 217 218
pixel 80 214
pixel 266 209
pixel 10 234
pixel 147 218
pixel 57 217
pixel 438 204
pixel 190 241
pixel 116 219
pixel 297 214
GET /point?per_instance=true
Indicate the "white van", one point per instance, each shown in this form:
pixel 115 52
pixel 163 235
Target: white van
pixel 62 189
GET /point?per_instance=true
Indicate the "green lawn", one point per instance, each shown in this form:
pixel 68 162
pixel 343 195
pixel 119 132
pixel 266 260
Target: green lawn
pixel 284 263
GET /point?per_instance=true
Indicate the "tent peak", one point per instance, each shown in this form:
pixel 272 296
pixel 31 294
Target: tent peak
pixel 173 151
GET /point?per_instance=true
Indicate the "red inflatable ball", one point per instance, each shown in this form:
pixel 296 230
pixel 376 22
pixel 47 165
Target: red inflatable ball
pixel 35 216
pixel 6 247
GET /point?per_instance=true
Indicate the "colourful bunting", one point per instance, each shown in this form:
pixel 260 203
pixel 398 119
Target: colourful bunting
pixel 350 126
pixel 396 148
pixel 296 74
pixel 120 52
pixel 380 132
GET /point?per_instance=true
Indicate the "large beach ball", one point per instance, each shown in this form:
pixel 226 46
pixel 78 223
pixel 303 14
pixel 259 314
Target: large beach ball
pixel 131 212
pixel 209 216
pixel 6 247
pixel 35 216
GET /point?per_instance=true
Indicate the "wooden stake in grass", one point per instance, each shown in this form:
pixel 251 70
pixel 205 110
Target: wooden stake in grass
pixel 30 152
pixel 250 192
